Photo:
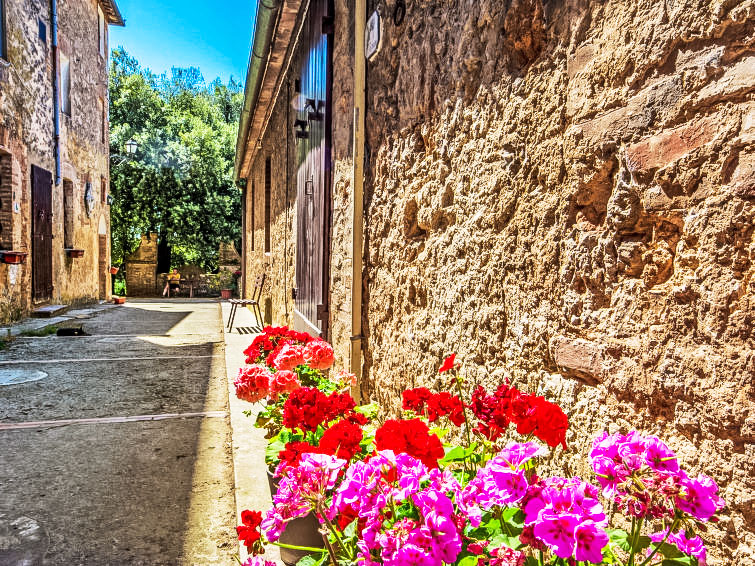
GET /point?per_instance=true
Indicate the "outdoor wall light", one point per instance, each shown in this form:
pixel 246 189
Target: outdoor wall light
pixel 315 108
pixel 131 146
pixel 300 129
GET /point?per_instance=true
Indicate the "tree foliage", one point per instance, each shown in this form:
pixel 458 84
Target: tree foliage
pixel 179 183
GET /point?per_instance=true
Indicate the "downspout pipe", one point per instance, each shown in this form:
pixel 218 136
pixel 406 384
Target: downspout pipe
pixel 357 242
pixel 55 89
pixel 264 26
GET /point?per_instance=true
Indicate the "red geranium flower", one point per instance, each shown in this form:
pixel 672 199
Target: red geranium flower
pixel 415 399
pixel 283 382
pixel 248 531
pixel 308 407
pixel 410 437
pixel 293 451
pixel 342 440
pixel 444 404
pixel 286 356
pixel 448 363
pixel 318 354
pixel 253 383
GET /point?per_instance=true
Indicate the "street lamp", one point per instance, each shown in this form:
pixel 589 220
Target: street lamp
pixel 131 146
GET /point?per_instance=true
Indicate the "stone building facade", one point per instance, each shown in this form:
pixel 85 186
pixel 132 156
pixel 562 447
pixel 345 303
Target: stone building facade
pixel 561 192
pixel 54 149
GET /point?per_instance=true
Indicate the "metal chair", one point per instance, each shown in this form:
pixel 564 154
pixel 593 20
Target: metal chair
pixel 259 283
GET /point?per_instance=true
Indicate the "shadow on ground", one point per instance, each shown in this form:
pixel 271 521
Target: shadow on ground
pixel 137 493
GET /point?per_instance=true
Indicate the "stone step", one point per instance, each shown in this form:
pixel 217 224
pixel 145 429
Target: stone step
pixel 49 311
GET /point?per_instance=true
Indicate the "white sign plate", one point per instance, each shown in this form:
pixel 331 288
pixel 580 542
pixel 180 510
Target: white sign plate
pixel 373 36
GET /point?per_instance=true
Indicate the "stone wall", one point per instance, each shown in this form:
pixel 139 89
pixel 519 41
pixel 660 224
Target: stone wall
pixel 141 269
pixel 562 193
pixel 26 139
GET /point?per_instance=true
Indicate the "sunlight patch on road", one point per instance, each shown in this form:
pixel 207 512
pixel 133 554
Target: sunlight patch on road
pixel 19 376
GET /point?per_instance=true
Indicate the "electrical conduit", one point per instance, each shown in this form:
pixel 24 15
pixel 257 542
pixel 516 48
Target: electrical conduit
pixel 55 88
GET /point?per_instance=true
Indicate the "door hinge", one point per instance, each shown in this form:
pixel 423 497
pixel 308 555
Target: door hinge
pixel 322 312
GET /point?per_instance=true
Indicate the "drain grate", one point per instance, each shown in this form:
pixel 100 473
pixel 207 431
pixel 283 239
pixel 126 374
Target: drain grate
pixel 19 376
pixel 248 329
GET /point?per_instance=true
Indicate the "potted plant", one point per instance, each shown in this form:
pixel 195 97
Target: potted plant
pixel 113 270
pixel 398 494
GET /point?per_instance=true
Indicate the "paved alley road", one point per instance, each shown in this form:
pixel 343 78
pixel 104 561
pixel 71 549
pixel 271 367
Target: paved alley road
pixel 93 488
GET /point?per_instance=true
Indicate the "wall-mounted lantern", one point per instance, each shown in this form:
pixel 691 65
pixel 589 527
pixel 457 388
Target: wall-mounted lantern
pixel 131 147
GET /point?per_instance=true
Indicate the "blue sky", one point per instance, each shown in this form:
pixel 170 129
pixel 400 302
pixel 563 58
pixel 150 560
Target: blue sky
pixel 212 35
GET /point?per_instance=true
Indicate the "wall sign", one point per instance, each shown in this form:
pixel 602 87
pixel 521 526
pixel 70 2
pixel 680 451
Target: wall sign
pixel 373 36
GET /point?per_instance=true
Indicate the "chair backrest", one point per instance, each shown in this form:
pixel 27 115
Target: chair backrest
pixel 259 283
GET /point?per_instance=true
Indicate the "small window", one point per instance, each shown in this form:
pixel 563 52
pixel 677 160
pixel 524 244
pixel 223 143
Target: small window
pixel 103 190
pixel 65 84
pixel 6 203
pixel 42 32
pixel 3 53
pixel 101 30
pixel 268 191
pixel 103 120
pixel 68 208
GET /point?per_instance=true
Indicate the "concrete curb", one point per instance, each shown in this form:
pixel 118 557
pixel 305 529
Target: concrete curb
pixel 249 471
pixel 27 324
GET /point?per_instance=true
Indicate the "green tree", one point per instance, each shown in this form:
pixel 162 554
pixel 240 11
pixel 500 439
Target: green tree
pixel 179 184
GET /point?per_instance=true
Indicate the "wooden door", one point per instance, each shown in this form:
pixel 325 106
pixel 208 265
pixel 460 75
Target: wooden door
pixel 41 246
pixel 314 173
pixel 102 265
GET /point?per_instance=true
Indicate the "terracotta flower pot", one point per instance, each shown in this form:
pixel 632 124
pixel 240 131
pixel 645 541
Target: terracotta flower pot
pixel 304 531
pixel 226 293
pixel 113 270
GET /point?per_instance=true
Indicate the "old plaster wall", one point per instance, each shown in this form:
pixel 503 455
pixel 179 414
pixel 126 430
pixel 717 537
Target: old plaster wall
pixel 563 193
pixel 85 152
pixel 25 133
pixel 26 139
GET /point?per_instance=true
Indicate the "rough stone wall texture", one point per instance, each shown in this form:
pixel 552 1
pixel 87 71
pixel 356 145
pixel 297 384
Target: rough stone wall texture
pixel 278 262
pixel 26 136
pixel 562 193
pixel 141 269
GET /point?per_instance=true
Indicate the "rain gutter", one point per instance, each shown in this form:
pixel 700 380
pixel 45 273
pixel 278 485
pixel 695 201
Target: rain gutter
pixel 264 27
pixel 55 89
pixel 357 243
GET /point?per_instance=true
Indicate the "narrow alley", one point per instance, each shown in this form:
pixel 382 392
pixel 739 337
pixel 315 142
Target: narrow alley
pixel 81 484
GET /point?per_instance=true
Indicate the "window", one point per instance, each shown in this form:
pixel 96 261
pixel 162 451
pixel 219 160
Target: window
pixel 42 31
pixel 268 190
pixel 65 84
pixel 68 225
pixel 103 120
pixel 3 54
pixel 6 203
pixel 101 30
pixel 103 190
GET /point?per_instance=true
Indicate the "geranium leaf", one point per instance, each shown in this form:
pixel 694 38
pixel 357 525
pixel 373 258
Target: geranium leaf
pixel 370 411
pixel 681 561
pixel 469 561
pixel 505 540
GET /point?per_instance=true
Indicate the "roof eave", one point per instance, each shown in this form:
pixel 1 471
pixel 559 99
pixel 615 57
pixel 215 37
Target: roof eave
pixel 112 13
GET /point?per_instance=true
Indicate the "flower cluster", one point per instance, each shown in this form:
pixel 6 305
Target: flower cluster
pixel 410 437
pixel 302 489
pixel 428 529
pixel 619 461
pixel 253 383
pixel 308 407
pixel 434 405
pixel 566 515
pixel 271 337
pixel 642 475
pixel 248 531
pixel 531 414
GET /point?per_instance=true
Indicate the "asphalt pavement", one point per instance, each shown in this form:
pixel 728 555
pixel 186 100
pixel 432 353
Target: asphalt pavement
pixel 115 447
